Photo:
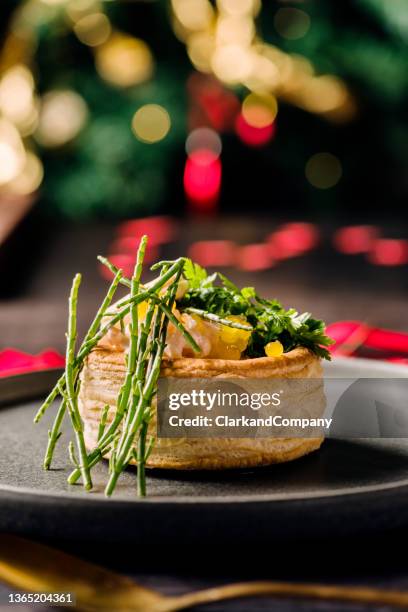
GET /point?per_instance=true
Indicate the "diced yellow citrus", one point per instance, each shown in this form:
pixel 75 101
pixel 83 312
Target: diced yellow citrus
pixel 216 348
pixel 228 351
pixel 220 350
pixel 274 349
pixel 233 335
pixel 242 342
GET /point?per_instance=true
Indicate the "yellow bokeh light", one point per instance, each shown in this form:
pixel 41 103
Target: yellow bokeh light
pixel 194 16
pixel 54 2
pixel 328 95
pixel 31 15
pixel 296 77
pixel 282 61
pixel 323 170
pixel 239 30
pixel 9 161
pixel 12 153
pixel 16 94
pixel 229 46
pixel 151 123
pixel 29 124
pixel 93 29
pixel 76 9
pixel 124 60
pixel 200 48
pixel 264 75
pixel 291 23
pixel 232 63
pixel 30 177
pixel 239 7
pixel 63 114
pixel 259 110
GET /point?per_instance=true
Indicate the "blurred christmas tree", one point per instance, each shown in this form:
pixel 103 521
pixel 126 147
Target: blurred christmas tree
pixel 309 99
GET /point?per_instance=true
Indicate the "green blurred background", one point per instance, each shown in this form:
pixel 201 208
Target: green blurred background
pixel 308 101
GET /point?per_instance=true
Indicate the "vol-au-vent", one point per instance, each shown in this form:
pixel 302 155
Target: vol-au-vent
pixel 183 324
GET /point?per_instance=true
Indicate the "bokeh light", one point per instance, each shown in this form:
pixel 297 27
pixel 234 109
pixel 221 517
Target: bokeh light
pixel 55 2
pixel 259 111
pixel 76 9
pixel 213 253
pixel 29 124
pixel 355 239
pixel 254 257
pixel 12 153
pixel 123 261
pixel 63 114
pixel 293 239
pixel 328 95
pixel 196 15
pixel 234 30
pixel 30 177
pixel 128 246
pixel 151 123
pixel 204 139
pixel 264 76
pixel 200 48
pixel 227 44
pixel 202 180
pixel 93 29
pixel 389 252
pixel 239 7
pixel 124 60
pixel 291 23
pixel 17 97
pixel 323 170
pixel 254 136
pixel 232 63
pixel 160 229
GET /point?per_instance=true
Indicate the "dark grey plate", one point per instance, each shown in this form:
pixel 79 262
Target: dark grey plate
pixel 347 487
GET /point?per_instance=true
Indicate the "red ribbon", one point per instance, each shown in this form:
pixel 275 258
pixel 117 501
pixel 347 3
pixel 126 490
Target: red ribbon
pixel 14 362
pixel 354 338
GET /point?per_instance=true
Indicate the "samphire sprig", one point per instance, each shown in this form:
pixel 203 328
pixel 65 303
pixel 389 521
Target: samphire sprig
pixel 125 436
pixel 92 339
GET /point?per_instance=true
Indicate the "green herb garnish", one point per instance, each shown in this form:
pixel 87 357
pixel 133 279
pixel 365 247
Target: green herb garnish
pixel 215 296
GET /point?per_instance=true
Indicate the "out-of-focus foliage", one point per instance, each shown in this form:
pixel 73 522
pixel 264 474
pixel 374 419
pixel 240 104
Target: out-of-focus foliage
pixel 103 169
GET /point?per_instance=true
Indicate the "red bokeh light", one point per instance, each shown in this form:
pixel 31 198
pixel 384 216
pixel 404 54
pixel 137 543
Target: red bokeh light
pixel 293 239
pixel 212 104
pixel 389 252
pixel 213 252
pixel 253 257
pixel 254 136
pixel 355 239
pixel 128 246
pixel 123 261
pixel 202 180
pixel 160 229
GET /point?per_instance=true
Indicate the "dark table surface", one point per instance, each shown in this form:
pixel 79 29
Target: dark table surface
pixel 33 316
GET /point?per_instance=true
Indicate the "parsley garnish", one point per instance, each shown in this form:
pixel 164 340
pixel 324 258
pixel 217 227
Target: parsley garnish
pixel 217 295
